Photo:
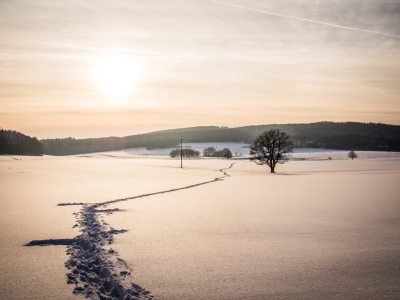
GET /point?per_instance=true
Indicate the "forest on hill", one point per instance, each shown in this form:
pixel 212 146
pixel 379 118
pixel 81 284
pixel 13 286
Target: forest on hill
pixel 16 143
pixel 343 136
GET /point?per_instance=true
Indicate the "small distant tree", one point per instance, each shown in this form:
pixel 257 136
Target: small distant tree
pixel 271 147
pixel 212 152
pixel 175 153
pixel 193 153
pixel 209 152
pixel 186 153
pixel 352 155
pixel 226 153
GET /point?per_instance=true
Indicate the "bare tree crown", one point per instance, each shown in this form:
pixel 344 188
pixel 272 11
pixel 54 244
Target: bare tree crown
pixel 352 154
pixel 271 147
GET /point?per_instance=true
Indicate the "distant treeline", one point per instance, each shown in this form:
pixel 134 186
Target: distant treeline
pixel 16 143
pixel 347 136
pixel 341 136
pixel 69 146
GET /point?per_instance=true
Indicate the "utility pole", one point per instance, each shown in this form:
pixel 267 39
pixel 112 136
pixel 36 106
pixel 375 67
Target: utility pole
pixel 181 153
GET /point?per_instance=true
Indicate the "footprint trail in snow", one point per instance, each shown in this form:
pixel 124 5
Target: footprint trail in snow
pixel 94 267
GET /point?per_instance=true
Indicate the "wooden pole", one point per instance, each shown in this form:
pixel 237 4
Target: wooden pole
pixel 181 153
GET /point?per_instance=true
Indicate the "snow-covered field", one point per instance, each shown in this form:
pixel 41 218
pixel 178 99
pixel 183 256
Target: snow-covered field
pixel 221 229
pixel 241 150
pixel 238 148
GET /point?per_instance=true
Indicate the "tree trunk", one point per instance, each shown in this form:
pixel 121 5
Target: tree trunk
pixel 272 169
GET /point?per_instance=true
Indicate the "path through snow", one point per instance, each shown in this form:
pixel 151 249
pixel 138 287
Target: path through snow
pixel 94 267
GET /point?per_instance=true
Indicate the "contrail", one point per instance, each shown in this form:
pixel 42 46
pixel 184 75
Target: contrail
pixel 302 19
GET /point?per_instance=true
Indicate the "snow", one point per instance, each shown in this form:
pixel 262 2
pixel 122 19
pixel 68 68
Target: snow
pixel 242 151
pixel 317 229
pixel 142 152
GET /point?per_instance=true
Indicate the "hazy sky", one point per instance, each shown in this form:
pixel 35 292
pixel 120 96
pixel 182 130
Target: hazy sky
pixel 181 63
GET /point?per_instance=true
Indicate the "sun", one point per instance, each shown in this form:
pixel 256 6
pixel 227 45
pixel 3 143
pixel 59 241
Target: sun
pixel 116 75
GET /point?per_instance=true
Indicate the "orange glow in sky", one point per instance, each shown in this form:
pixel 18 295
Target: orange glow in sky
pixel 86 69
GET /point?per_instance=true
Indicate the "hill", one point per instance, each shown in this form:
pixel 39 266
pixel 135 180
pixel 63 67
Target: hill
pixel 348 135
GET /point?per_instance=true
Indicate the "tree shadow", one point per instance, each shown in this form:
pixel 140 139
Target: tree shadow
pixel 284 174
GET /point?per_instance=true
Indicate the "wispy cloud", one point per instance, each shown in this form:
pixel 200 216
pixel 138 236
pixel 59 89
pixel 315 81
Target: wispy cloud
pixel 200 63
pixel 305 20
pixel 97 50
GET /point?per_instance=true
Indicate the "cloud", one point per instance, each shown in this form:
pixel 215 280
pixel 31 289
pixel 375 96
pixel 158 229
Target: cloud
pixel 306 20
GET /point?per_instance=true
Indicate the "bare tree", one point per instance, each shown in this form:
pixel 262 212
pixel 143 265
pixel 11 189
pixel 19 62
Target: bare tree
pixel 212 152
pixel 209 152
pixel 352 155
pixel 271 147
pixel 186 153
pixel 226 153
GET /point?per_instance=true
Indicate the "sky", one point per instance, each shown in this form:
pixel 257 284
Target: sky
pixel 116 68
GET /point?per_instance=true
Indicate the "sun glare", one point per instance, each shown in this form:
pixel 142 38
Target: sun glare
pixel 117 75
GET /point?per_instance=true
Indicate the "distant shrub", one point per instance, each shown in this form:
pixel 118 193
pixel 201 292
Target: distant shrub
pixel 212 152
pixel 226 153
pixel 209 152
pixel 352 155
pixel 175 153
pixel 186 153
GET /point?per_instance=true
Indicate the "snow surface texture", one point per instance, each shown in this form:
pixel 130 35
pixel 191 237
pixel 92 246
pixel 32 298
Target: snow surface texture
pixel 314 230
pixel 96 271
pixel 330 231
